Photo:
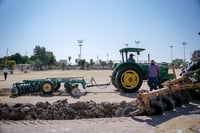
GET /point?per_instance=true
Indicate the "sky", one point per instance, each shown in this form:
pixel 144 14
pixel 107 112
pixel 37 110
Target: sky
pixel 105 26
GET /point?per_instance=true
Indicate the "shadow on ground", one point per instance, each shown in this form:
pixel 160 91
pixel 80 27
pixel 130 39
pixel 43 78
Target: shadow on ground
pixel 188 109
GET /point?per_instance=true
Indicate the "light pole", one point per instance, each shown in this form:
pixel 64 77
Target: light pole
pixel 97 59
pixel 137 42
pixel 171 53
pixel 80 44
pixel 184 43
pixel 107 57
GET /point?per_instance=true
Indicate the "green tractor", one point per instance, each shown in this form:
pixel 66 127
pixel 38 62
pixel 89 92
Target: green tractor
pixel 128 76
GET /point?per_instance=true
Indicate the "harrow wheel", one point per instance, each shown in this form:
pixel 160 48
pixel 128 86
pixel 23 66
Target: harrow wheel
pixel 126 111
pixel 75 92
pixel 156 108
pixel 14 91
pixel 168 103
pixel 129 79
pixel 47 87
pixel 177 98
pixel 186 96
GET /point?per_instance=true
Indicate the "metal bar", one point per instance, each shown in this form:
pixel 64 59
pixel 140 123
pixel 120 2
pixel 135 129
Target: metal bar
pixel 92 85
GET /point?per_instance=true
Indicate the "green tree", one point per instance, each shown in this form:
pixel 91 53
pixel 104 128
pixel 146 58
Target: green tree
pixel 47 58
pixel 63 65
pixel 17 58
pixel 38 64
pixel 81 63
pixel 91 63
pixel 110 64
pixel 52 59
pixel 196 54
pixel 177 62
pixel 11 65
pixel 25 59
pixel 103 63
pixel 87 65
pixel 69 58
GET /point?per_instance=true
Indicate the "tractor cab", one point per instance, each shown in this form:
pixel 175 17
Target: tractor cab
pixel 125 51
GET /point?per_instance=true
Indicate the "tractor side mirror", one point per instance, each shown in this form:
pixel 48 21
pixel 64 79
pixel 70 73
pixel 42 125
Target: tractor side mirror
pixel 138 53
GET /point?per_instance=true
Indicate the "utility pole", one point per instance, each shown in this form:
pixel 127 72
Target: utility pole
pixel 184 43
pixel 6 59
pixel 137 42
pixel 171 53
pixel 107 57
pixel 80 45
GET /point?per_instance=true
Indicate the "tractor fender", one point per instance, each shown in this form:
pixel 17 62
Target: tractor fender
pixel 121 65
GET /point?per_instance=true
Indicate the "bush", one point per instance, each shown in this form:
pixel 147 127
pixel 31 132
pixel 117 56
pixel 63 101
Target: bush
pixel 197 76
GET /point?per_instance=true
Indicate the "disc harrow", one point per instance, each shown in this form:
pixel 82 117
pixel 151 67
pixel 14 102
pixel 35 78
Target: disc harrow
pixel 175 93
pixel 50 85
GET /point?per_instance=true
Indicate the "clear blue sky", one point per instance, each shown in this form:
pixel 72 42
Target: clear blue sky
pixel 105 26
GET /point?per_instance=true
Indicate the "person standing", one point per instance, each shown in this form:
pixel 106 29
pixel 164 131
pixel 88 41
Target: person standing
pixel 5 72
pixel 153 75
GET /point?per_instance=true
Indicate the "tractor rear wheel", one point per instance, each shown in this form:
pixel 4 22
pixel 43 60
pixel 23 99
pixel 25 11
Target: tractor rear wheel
pixel 47 87
pixel 113 80
pixel 129 79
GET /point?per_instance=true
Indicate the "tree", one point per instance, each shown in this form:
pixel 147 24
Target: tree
pixel 196 54
pixel 69 58
pixel 11 65
pixel 177 62
pixel 81 63
pixel 87 65
pixel 38 64
pixel 63 65
pixel 102 63
pixel 47 58
pixel 39 55
pixel 25 59
pixel 91 63
pixel 17 58
pixel 52 60
pixel 110 63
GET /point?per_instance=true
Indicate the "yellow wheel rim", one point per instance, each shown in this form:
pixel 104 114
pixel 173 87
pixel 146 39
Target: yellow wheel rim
pixel 46 87
pixel 129 79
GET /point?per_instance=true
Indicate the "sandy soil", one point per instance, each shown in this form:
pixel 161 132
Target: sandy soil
pixel 185 119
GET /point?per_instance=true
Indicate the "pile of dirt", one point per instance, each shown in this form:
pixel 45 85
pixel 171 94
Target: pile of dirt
pixel 61 110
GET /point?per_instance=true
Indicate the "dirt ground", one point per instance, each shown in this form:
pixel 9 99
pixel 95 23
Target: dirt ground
pixel 185 119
